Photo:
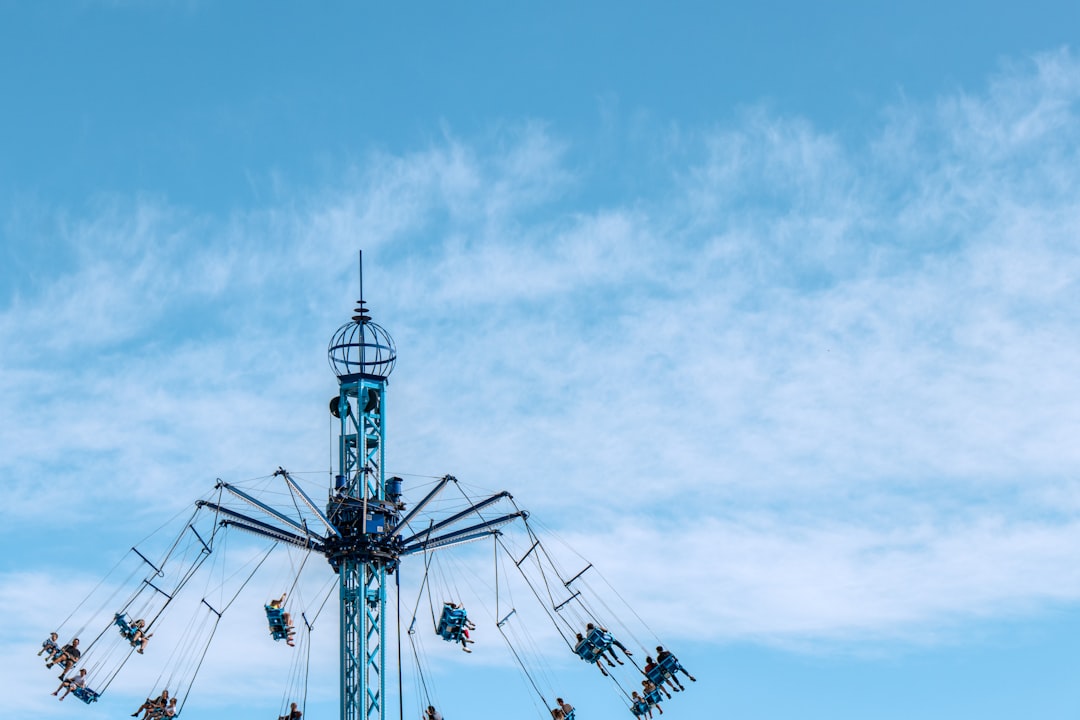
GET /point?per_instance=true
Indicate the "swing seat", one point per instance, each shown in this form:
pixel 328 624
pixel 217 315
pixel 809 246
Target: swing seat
pixel 453 616
pixel 639 709
pixel 86 694
pixel 569 715
pixel 656 675
pixel 586 652
pixel 451 622
pixel 276 618
pixel 652 697
pixel 669 665
pixel 600 640
pixel 126 629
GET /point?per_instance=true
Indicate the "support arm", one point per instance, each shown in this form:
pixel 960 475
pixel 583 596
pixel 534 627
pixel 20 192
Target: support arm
pixel 307 501
pixel 260 528
pixel 454 518
pixel 474 532
pixel 265 508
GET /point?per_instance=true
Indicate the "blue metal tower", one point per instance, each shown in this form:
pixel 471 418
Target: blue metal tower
pixel 362 356
pixel 369 533
pixel 367 530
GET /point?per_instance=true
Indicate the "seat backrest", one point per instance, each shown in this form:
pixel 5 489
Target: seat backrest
pixel 600 639
pixel 586 651
pixel 125 627
pixel 453 616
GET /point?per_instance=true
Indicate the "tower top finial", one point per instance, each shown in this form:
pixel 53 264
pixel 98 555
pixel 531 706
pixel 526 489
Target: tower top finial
pixel 361 348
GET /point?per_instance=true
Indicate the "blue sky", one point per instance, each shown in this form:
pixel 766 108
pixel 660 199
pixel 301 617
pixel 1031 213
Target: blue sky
pixel 770 311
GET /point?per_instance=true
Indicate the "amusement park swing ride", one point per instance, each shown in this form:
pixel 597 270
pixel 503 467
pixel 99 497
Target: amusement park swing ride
pixel 366 530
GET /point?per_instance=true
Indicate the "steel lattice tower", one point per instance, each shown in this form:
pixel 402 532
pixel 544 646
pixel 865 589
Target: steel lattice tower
pixel 362 355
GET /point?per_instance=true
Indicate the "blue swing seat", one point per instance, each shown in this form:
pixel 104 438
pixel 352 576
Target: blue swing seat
pixel 600 640
pixel 665 669
pixel 51 649
pixel 586 651
pixel 669 665
pixel 652 697
pixel 276 618
pixel 127 630
pixel 569 715
pixel 451 623
pixel 639 708
pixel 86 694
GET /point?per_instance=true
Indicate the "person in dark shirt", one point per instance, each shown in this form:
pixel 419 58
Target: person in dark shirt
pixel 662 654
pixel 294 713
pixel 69 655
pixel 150 706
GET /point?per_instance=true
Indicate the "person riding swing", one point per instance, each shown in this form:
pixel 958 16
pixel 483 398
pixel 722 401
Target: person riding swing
pixel 454 625
pixel 281 625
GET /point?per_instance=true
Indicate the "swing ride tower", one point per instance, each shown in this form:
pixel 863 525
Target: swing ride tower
pixel 367 530
pixel 365 533
pixel 362 355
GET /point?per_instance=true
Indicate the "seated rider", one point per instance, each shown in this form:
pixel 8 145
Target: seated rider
pixel 566 708
pixel 656 675
pixel 591 631
pixel 166 712
pixel 673 662
pixel 139 638
pixel 651 695
pixel 651 692
pixel 640 707
pixel 158 703
pixel 69 655
pixel 431 714
pixel 293 714
pixel 286 619
pixel 51 645
pixel 78 681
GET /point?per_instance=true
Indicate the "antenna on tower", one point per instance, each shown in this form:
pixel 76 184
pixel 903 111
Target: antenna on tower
pixel 361 315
